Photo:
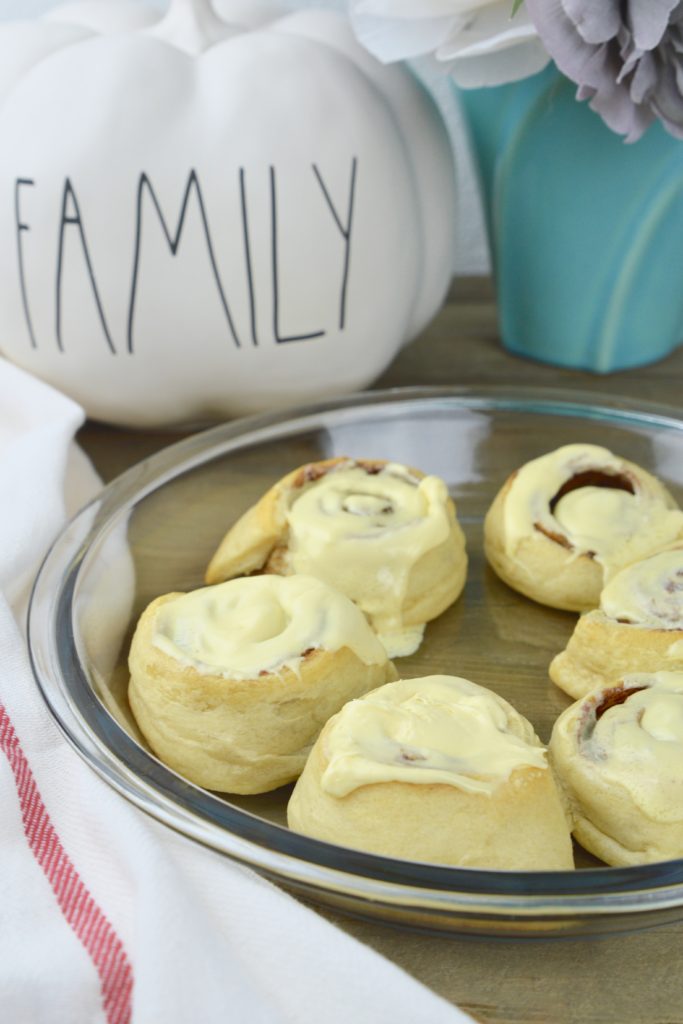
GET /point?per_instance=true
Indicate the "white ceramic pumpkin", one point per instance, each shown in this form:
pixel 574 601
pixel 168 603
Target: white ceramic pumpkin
pixel 212 212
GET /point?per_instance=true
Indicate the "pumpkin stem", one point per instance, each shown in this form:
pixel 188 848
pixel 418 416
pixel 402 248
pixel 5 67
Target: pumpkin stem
pixel 192 26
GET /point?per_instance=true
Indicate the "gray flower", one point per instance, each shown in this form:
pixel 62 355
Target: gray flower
pixel 625 55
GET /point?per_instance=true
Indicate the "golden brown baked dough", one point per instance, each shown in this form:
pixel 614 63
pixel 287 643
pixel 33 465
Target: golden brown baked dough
pixel 563 523
pixel 230 685
pixel 638 627
pixel 618 753
pixel 383 534
pixel 435 769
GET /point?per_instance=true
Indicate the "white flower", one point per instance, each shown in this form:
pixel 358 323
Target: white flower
pixel 479 41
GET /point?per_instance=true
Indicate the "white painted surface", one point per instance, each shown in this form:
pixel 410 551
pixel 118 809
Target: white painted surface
pixel 471 250
pixel 148 318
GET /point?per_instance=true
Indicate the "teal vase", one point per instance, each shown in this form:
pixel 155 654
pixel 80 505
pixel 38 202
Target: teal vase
pixel 586 231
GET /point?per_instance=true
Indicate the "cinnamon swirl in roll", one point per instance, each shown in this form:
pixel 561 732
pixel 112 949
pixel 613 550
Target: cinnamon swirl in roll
pixel 637 628
pixel 231 684
pixel 385 535
pixel 435 769
pixel 564 523
pixel 618 753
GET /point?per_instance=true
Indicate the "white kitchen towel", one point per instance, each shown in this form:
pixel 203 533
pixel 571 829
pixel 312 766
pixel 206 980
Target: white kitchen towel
pixel 107 917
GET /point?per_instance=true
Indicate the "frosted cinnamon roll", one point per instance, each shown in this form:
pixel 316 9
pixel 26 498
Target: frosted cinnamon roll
pixel 618 753
pixel 230 685
pixel 638 627
pixel 435 769
pixel 385 535
pixel 564 523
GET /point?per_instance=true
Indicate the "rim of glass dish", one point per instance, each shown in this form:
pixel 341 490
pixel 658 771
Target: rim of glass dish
pixel 244 836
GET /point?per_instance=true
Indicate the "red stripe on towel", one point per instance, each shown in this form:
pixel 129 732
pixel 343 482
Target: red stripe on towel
pixel 96 934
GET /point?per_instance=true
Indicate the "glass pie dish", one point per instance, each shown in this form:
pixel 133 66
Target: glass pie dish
pixel 154 529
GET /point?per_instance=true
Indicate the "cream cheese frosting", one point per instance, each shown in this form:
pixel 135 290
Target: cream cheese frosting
pixel 638 744
pixel 439 729
pixel 616 526
pixel 262 623
pixel 648 593
pixel 363 532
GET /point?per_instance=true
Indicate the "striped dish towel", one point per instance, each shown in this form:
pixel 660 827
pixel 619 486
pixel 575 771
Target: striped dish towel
pixel 107 917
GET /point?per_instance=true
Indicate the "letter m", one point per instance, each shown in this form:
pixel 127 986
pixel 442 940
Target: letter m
pixel 173 241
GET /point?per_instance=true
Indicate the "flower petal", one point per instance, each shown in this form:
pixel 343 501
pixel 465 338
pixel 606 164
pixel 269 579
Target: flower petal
pixel 667 102
pixel 499 67
pixel 644 79
pixel 619 113
pixel 488 31
pixel 585 64
pixel 401 39
pixel 455 32
pixel 595 23
pixel 648 20
pixel 420 9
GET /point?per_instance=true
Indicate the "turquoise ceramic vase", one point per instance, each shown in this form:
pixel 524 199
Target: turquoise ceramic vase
pixel 586 231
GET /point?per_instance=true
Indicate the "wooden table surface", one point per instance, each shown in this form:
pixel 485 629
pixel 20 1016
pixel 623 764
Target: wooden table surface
pixel 629 979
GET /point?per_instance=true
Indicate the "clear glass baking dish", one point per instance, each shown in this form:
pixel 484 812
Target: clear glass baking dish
pixel 154 529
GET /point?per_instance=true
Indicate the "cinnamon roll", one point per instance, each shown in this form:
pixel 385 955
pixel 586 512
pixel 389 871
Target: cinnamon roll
pixel 638 627
pixel 564 523
pixel 618 753
pixel 435 769
pixel 230 685
pixel 385 535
